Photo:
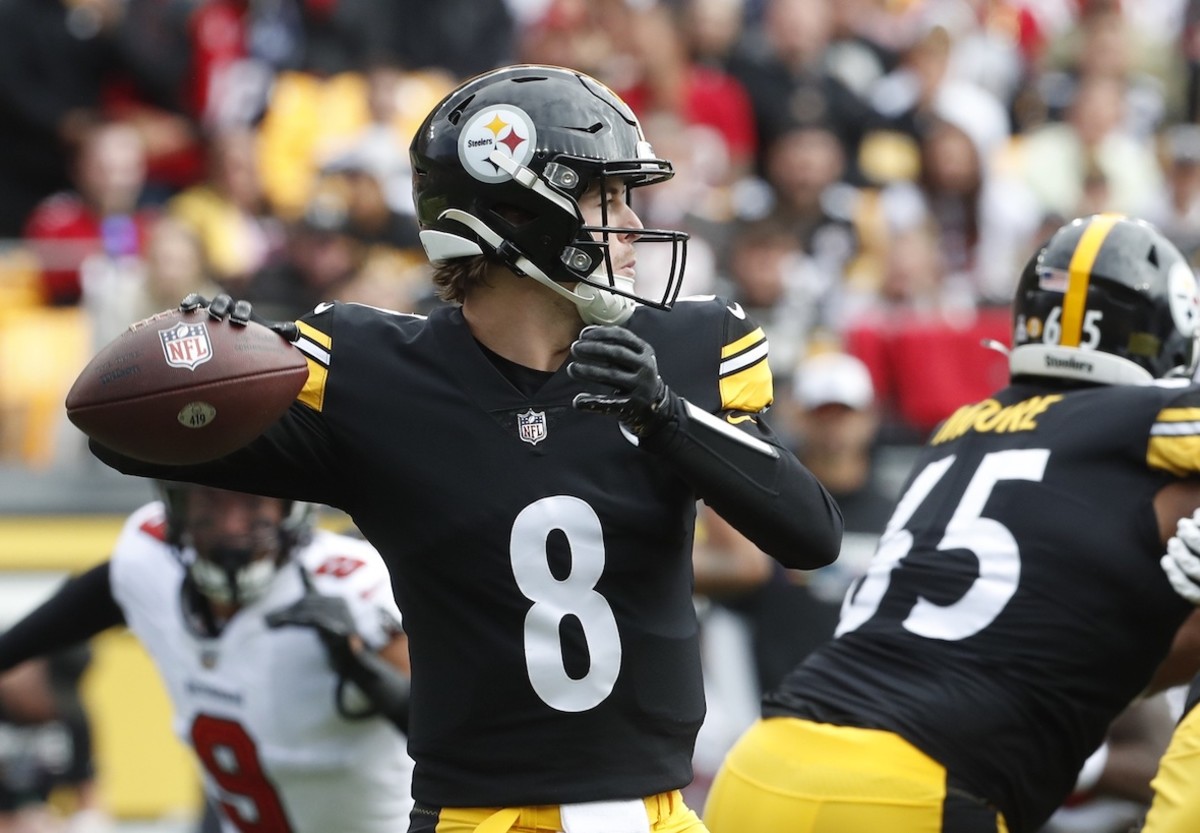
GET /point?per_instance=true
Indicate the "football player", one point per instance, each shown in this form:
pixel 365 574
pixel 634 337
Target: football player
pixel 1176 804
pixel 279 646
pixel 527 459
pixel 1014 605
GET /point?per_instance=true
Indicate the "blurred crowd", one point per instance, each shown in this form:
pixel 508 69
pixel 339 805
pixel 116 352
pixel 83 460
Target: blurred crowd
pixel 863 175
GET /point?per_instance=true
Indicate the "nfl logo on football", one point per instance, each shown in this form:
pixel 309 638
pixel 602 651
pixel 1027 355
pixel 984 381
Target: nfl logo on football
pixel 186 345
pixel 531 426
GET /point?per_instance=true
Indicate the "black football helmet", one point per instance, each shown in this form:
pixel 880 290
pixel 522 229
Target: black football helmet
pixel 1108 300
pixel 499 166
pixel 231 572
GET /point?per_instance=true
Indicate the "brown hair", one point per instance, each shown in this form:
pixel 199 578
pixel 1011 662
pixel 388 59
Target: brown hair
pixel 453 279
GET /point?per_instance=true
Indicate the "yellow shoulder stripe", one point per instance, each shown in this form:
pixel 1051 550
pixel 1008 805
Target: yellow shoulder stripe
pixel 742 343
pixel 1175 442
pixel 315 345
pixel 744 376
pixel 311 332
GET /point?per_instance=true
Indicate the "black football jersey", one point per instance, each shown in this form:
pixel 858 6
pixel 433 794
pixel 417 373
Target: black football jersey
pixel 541 560
pixel 1015 603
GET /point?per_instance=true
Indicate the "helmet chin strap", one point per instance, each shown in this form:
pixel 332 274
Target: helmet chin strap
pixel 596 305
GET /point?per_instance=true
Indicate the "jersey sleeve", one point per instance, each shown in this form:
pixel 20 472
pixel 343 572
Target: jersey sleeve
pixel 353 569
pixel 744 377
pixel 316 343
pixel 1174 444
pixel 141 542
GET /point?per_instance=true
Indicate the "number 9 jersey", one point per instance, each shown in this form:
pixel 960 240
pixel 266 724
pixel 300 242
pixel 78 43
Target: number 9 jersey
pixel 1015 603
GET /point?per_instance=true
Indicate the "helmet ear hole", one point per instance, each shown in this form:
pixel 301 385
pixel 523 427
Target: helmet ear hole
pixel 513 216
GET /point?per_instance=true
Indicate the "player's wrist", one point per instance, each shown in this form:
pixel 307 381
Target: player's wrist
pixel 657 423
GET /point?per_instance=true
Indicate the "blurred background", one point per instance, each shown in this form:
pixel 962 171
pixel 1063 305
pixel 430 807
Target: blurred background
pixel 866 177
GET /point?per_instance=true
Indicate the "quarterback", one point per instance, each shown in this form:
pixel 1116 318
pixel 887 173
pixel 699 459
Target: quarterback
pixel 528 458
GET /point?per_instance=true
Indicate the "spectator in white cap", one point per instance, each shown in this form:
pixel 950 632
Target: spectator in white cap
pixel 835 424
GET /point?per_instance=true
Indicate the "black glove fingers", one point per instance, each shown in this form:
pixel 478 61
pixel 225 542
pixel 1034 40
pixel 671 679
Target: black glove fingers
pixel 287 329
pixel 328 615
pixel 241 313
pixel 192 301
pixel 604 375
pixel 599 352
pixel 220 306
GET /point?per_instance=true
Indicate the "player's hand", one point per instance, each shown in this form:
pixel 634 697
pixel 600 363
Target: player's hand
pixel 615 358
pixel 239 313
pixel 1182 561
pixel 329 616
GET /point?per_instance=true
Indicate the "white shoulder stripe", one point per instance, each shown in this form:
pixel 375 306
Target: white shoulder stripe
pixel 313 350
pixel 1174 429
pixel 743 360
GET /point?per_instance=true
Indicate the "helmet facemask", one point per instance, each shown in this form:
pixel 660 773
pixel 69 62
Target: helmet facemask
pixel 233 567
pixel 234 575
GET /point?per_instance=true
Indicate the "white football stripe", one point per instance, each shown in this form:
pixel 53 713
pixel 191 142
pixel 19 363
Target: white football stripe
pixel 1175 429
pixel 725 429
pixel 313 351
pixel 743 360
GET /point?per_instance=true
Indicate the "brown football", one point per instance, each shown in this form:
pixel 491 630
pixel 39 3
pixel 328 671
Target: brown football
pixel 182 387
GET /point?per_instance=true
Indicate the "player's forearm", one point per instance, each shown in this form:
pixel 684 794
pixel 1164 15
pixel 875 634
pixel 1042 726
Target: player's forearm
pixel 383 685
pixel 82 607
pixel 763 491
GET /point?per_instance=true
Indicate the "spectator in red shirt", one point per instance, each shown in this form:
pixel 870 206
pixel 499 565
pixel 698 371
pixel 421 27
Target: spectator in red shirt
pixel 922 338
pixel 666 77
pixel 99 227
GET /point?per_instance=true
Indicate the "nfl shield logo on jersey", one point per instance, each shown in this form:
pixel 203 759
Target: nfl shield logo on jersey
pixel 186 345
pixel 531 426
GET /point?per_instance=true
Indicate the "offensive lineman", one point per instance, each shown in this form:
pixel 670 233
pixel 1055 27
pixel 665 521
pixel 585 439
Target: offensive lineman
pixel 1176 804
pixel 279 646
pixel 527 459
pixel 1014 605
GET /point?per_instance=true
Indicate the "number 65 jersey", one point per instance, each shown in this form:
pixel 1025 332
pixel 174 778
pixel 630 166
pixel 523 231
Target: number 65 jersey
pixel 1015 603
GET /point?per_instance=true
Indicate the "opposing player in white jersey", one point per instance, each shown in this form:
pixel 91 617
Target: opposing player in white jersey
pixel 280 648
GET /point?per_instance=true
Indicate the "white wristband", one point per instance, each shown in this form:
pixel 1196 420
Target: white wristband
pixel 1092 769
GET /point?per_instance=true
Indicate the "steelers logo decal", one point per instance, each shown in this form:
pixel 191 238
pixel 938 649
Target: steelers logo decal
pixel 1182 296
pixel 504 129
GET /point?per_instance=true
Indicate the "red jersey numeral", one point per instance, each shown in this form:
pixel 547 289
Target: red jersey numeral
pixel 339 566
pixel 230 757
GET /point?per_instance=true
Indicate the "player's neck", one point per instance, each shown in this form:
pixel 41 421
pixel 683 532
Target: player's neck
pixel 522 321
pixel 222 612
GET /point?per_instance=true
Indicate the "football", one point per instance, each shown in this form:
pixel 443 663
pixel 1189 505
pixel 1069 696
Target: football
pixel 181 387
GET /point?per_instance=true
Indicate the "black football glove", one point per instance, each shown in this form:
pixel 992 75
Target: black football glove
pixel 329 616
pixel 386 689
pixel 238 312
pixel 616 358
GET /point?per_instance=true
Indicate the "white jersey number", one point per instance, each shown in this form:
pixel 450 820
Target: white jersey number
pixel 991 542
pixel 555 599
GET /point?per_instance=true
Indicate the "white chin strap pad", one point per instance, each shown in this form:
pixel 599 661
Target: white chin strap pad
pixel 599 306
pixel 596 305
